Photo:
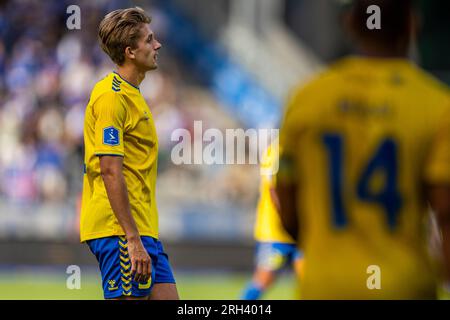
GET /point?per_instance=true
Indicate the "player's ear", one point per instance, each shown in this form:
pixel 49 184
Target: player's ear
pixel 129 53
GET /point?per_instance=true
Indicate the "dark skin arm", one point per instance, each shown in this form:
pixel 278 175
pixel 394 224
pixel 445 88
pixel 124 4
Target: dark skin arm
pixel 116 188
pixel 284 199
pixel 439 198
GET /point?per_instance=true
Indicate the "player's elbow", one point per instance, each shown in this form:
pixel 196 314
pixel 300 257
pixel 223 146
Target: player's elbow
pixel 110 168
pixel 108 172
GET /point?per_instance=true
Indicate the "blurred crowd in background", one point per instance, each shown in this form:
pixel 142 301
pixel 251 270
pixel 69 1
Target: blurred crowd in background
pixel 46 75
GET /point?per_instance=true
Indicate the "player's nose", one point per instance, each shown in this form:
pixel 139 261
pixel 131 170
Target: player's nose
pixel 158 45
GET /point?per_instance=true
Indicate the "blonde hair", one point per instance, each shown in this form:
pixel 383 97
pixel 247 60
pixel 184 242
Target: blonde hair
pixel 120 29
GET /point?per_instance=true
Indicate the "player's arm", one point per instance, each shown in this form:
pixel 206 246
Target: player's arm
pixel 284 197
pixel 437 185
pixel 114 180
pixel 287 186
pixel 439 198
pixel 112 120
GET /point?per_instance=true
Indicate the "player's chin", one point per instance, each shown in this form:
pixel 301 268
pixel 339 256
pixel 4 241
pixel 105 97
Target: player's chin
pixel 153 65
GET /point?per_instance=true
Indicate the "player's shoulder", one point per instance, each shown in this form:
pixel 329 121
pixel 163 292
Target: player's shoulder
pixel 109 87
pixel 311 85
pixel 431 84
pixel 432 93
pixel 310 91
pixel 111 83
pixel 324 78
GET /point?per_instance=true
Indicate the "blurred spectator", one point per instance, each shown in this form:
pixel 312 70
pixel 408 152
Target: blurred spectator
pixel 46 75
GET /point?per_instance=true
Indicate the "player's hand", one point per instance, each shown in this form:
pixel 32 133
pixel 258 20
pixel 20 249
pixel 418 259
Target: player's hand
pixel 141 263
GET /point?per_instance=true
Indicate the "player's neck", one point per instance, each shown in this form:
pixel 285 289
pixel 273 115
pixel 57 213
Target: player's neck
pixel 383 54
pixel 131 74
pixel 400 52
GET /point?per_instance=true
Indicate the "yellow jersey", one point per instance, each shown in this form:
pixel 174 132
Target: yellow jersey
pixel 268 227
pixel 360 140
pixel 119 122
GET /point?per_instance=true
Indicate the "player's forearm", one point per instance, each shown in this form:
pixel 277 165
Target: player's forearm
pixel 287 208
pixel 446 249
pixel 443 216
pixel 439 197
pixel 118 197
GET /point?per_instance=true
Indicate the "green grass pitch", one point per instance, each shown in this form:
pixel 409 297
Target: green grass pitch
pixel 35 285
pixel 51 285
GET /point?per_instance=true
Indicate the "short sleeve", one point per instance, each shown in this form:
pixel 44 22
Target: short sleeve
pixel 437 167
pixel 110 118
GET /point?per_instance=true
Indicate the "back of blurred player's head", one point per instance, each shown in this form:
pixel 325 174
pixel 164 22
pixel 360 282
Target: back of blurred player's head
pixel 397 26
pixel 120 29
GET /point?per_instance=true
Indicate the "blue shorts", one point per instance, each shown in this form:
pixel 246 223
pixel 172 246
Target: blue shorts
pixel 115 266
pixel 274 256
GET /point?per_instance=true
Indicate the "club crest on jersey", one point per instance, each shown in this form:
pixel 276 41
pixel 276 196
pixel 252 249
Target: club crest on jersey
pixel 111 136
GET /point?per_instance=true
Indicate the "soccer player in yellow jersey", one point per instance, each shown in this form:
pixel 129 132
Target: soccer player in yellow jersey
pixel 365 150
pixel 275 249
pixel 119 217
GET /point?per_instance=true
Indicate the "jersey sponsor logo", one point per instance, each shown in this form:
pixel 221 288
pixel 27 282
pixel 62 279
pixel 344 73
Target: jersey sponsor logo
pixel 111 136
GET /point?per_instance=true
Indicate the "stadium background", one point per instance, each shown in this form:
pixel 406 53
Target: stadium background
pixel 229 63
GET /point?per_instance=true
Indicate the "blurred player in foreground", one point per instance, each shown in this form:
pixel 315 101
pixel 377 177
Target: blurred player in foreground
pixel 365 149
pixel 275 249
pixel 119 218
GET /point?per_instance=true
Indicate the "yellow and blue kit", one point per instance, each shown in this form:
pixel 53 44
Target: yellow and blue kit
pixel 359 141
pixel 118 122
pixel 275 248
pixel 115 266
